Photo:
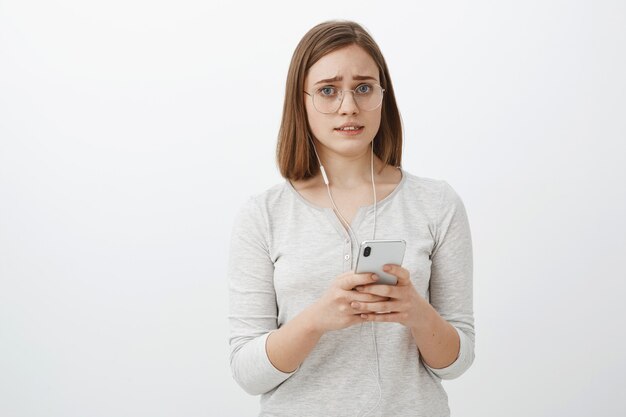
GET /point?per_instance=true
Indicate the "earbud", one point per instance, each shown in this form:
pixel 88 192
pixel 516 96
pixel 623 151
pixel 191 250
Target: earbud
pixel 324 175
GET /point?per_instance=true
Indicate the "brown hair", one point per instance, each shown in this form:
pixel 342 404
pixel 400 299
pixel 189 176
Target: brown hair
pixel 294 154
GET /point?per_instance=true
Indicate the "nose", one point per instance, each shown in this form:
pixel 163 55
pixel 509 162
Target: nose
pixel 348 104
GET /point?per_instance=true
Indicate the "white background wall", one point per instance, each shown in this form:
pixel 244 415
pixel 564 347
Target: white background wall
pixel 131 131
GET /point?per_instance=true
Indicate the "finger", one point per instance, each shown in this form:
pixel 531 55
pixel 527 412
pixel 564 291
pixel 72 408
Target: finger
pixel 386 317
pixel 352 280
pixel 378 307
pixel 346 308
pixel 404 277
pixel 382 290
pixel 368 298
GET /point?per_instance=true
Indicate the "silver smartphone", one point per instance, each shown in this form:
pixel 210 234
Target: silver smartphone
pixel 374 254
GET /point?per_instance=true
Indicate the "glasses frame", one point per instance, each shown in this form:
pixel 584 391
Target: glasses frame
pixel 342 95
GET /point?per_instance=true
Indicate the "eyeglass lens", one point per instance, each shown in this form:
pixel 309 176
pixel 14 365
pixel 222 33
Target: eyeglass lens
pixel 367 97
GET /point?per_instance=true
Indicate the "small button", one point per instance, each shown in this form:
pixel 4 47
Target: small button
pixel 346 257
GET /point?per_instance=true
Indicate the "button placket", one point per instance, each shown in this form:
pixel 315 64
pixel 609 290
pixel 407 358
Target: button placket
pixel 346 253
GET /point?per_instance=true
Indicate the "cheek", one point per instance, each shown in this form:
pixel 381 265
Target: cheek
pixel 374 122
pixel 316 120
pixel 377 117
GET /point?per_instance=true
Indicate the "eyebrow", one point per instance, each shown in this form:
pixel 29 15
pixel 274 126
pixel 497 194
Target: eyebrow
pixel 356 77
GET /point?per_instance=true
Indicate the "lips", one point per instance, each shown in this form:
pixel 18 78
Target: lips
pixel 348 127
pixel 350 132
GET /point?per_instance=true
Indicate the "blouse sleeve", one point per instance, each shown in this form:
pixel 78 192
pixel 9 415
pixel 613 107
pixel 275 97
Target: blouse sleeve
pixel 451 288
pixel 252 302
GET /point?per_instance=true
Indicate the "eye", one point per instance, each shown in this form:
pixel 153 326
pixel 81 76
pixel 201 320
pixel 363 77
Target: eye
pixel 326 91
pixel 364 89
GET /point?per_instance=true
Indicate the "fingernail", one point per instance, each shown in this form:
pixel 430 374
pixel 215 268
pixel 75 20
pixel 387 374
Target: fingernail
pixel 374 277
pixel 359 288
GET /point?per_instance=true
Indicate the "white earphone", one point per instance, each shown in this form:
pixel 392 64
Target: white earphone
pixel 327 182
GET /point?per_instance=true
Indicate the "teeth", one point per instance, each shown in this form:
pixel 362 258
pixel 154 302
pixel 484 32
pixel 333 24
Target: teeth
pixel 350 128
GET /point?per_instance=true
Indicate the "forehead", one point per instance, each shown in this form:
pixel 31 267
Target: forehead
pixel 345 62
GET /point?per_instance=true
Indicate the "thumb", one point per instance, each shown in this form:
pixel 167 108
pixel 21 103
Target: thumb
pixel 353 280
pixel 402 274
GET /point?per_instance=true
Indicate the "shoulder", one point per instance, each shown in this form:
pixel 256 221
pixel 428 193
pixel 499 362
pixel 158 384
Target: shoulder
pixel 427 188
pixel 263 212
pixel 259 204
pixel 272 196
pixel 435 193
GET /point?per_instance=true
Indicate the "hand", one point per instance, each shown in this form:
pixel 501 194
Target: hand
pixel 333 312
pixel 403 305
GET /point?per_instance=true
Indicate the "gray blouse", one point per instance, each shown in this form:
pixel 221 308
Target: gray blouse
pixel 284 254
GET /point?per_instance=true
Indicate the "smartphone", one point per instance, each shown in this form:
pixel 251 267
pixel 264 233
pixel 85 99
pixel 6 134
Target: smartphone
pixel 374 254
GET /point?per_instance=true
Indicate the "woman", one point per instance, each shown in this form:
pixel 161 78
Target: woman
pixel 297 309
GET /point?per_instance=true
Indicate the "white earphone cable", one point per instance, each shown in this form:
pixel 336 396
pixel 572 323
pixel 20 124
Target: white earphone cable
pixel 327 182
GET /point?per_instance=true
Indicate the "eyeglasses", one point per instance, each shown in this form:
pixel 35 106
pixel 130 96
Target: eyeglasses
pixel 328 99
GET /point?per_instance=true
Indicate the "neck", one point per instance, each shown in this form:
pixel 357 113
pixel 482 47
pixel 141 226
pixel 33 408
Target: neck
pixel 348 172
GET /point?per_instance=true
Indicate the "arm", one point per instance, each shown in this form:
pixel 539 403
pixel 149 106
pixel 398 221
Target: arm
pixel 263 356
pixel 252 303
pixel 446 336
pixel 437 340
pixel 288 346
pixel 443 325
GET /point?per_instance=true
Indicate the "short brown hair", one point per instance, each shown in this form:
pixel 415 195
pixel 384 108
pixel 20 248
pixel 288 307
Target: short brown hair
pixel 294 154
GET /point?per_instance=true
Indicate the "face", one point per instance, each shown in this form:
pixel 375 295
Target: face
pixel 345 63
